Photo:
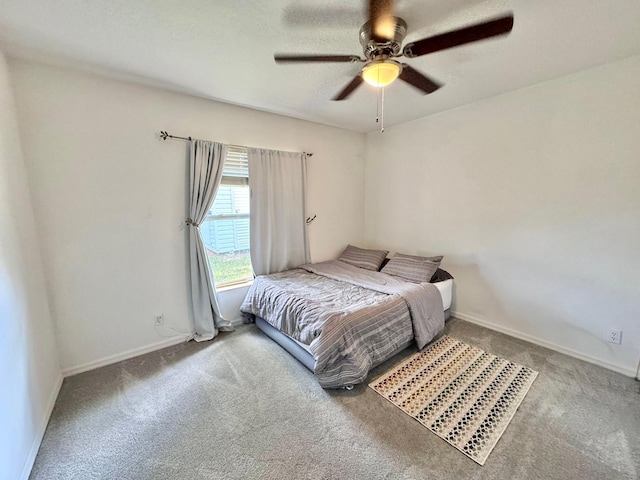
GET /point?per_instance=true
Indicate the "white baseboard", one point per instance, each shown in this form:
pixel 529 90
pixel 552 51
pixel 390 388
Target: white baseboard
pixel 237 321
pixel 545 343
pixel 42 427
pixel 67 372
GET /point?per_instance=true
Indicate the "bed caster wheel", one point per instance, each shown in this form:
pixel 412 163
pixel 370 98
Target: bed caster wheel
pixel 349 387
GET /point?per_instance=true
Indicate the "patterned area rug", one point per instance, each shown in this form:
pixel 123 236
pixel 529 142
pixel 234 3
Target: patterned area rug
pixel 461 393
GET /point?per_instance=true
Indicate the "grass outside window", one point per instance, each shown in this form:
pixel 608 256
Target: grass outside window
pixel 231 268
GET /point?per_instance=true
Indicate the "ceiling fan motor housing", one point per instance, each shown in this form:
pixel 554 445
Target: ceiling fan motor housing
pixel 373 48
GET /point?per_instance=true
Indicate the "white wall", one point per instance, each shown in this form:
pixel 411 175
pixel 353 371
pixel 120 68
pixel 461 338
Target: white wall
pixel 110 200
pixel 534 199
pixel 29 371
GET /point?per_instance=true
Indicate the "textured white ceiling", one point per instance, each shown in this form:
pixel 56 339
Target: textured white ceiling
pixel 223 49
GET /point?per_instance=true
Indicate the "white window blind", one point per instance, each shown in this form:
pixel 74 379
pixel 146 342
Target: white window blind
pixel 236 167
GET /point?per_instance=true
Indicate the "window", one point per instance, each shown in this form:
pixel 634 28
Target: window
pixel 225 231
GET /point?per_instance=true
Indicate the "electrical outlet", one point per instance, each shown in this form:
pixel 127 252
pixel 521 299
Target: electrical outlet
pixel 159 320
pixel 614 336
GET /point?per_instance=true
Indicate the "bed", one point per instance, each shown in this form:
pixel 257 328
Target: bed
pixel 340 320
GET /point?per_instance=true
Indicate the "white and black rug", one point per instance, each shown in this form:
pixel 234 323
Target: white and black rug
pixel 461 393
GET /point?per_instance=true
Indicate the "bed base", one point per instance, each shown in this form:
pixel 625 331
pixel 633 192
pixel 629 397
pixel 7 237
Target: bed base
pixel 302 354
pixel 286 342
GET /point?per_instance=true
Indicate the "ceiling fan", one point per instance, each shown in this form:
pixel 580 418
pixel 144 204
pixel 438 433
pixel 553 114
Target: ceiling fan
pixel 381 39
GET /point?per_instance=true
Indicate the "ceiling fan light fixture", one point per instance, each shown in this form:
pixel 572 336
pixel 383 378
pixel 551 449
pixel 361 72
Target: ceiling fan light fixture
pixel 381 73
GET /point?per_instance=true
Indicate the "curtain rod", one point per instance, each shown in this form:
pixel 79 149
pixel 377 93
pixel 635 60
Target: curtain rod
pixel 164 135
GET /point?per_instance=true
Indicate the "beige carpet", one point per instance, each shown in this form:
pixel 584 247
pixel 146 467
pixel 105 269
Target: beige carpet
pixel 461 393
pixel 242 408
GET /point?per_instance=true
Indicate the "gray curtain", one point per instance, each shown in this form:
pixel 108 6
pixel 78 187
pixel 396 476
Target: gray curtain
pixel 206 161
pixel 278 232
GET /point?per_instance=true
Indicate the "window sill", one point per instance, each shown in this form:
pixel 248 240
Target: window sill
pixel 233 286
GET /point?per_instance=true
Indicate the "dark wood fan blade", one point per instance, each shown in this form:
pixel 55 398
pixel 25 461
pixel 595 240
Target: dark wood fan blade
pixel 315 58
pixel 418 80
pixel 462 36
pixel 383 23
pixel 348 90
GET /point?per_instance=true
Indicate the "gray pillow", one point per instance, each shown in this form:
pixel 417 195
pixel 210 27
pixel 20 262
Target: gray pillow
pixel 363 258
pixel 412 267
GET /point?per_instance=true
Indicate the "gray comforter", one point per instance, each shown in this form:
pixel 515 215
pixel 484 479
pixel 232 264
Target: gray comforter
pixel 352 319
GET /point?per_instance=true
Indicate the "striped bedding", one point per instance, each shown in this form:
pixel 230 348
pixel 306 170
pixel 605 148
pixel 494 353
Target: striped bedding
pixel 351 318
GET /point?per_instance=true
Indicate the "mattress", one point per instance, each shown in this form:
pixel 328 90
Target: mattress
pixel 301 352
pixel 446 291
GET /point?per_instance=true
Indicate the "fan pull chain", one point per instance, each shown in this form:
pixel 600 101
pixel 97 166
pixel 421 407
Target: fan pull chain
pixel 382 110
pixel 380 105
pixel 377 107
